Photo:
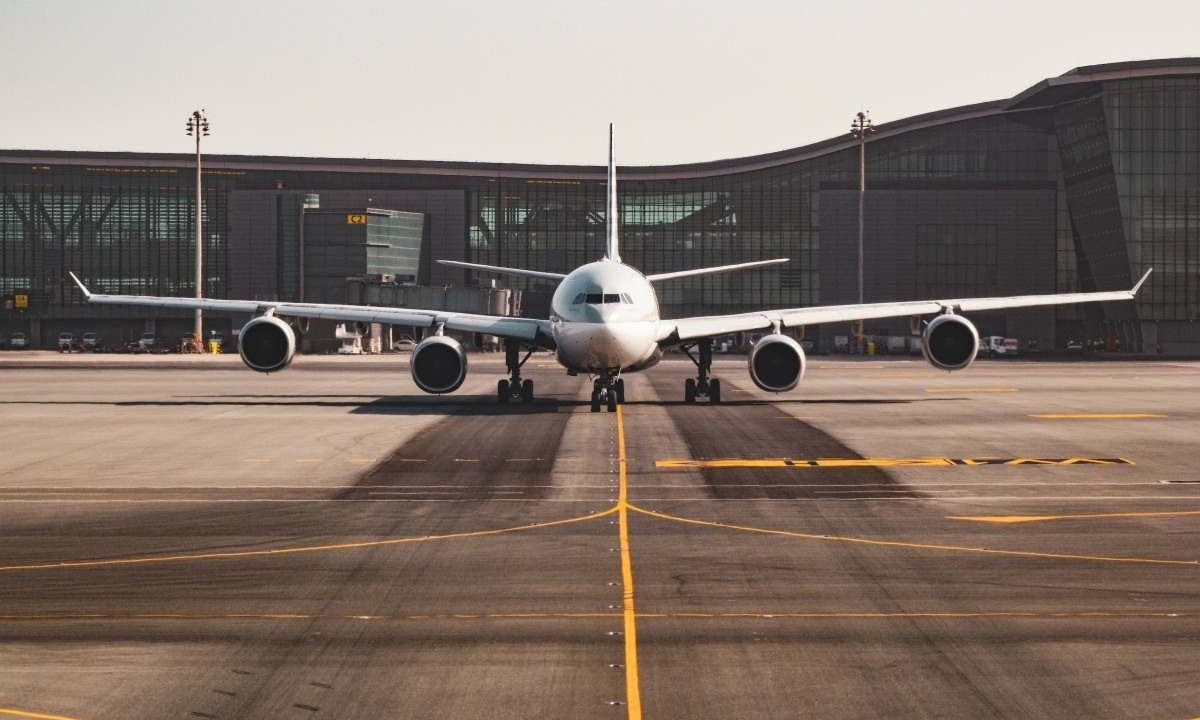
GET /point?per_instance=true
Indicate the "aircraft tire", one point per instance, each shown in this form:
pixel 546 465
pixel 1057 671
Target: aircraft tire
pixel 502 392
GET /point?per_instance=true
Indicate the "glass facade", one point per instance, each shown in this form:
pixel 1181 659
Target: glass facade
pixel 1079 183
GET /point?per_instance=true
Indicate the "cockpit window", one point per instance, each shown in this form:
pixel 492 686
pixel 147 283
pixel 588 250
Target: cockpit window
pixel 603 298
pixel 579 299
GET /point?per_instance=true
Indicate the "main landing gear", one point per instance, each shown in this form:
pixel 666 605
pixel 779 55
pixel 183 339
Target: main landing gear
pixel 608 390
pixel 702 385
pixel 515 388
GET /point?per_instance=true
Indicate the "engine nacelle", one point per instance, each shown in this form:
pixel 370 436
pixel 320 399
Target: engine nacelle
pixel 438 364
pixel 266 344
pixel 777 363
pixel 950 342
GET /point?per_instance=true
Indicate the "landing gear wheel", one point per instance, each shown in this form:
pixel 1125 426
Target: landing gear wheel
pixel 502 392
pixel 714 391
pixel 527 392
pixel 612 400
pixel 596 401
pixel 620 388
pixel 689 391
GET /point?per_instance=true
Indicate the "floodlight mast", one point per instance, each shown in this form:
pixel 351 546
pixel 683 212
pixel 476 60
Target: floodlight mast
pixel 860 127
pixel 197 127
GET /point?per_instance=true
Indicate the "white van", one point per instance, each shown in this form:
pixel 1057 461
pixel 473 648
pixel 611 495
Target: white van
pixel 997 346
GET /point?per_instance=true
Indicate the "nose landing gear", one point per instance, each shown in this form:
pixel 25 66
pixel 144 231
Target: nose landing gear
pixel 702 385
pixel 514 388
pixel 608 390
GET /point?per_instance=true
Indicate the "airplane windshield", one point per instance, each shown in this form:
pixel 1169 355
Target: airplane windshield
pixel 603 298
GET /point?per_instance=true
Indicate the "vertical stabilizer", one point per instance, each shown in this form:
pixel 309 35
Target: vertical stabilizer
pixel 611 250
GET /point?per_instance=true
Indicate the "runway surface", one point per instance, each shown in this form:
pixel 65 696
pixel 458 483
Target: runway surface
pixel 187 539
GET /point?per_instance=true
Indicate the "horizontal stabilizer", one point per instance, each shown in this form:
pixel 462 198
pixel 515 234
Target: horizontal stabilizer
pixel 504 271
pixel 711 270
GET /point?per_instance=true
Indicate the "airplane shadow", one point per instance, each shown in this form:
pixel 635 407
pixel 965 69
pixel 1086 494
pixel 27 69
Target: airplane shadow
pixel 442 405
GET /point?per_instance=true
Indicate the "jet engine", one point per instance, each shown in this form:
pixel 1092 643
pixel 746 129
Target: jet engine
pixel 266 344
pixel 777 363
pixel 950 342
pixel 439 364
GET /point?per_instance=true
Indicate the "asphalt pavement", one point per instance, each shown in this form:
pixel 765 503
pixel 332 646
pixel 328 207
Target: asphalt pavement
pixel 188 539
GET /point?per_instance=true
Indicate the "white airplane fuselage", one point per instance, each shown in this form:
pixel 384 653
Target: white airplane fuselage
pixel 604 317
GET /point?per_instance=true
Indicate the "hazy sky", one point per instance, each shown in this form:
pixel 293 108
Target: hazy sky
pixel 523 81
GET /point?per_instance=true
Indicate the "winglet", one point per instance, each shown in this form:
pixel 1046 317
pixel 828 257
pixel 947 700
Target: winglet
pixel 1137 287
pixel 87 295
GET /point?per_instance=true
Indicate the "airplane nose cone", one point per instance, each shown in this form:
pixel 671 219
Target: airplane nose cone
pixel 606 345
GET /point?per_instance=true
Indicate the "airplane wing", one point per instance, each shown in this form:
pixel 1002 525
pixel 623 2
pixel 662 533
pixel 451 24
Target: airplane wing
pixel 527 329
pixel 673 331
pixel 711 270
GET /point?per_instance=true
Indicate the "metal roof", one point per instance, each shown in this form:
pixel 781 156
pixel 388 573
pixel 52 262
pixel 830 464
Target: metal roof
pixel 1078 82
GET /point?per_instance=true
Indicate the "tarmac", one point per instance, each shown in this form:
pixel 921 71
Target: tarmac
pixel 184 538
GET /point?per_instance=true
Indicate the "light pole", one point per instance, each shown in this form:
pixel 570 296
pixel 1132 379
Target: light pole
pixel 197 126
pixel 860 127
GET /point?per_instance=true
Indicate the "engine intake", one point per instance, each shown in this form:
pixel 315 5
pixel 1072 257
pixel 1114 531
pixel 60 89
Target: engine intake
pixel 777 363
pixel 950 342
pixel 438 364
pixel 266 344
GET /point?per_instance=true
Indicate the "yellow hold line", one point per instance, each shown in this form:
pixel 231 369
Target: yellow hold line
pixel 633 693
pixel 917 546
pixel 299 549
pixel 971 390
pixel 1096 416
pixel 38 716
pixel 1007 519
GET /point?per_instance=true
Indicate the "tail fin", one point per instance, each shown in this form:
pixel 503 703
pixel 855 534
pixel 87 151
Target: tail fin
pixel 612 250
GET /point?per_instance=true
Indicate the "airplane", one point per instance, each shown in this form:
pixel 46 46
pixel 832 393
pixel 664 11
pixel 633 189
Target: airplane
pixel 605 322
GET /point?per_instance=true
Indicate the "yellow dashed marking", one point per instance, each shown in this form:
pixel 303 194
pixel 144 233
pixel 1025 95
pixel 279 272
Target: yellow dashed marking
pixel 466 459
pixel 1096 416
pixel 258 460
pixel 879 462
pixel 971 390
pixel 410 459
pixel 1007 519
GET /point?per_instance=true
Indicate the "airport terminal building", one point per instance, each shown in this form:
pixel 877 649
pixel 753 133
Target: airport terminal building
pixel 1078 183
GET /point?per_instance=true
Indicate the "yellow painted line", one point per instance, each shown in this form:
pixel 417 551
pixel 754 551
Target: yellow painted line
pixel 1096 416
pixel 916 546
pixel 185 557
pixel 686 615
pixel 466 459
pixel 633 693
pixel 1006 519
pixel 971 390
pixel 676 463
pixel 12 712
pixel 258 460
